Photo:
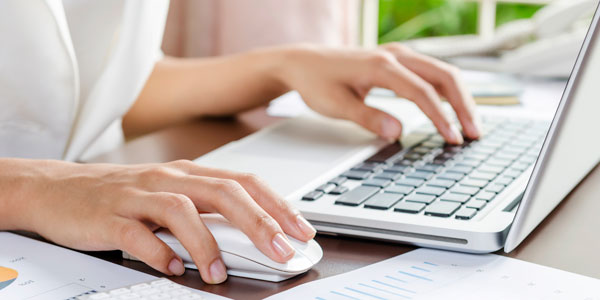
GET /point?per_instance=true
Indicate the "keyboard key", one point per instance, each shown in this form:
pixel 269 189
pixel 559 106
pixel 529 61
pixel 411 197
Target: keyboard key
pixel 442 208
pixel 421 198
pixel 482 175
pixel 398 169
pixel 371 167
pixel 339 190
pixel 453 197
pixel 399 189
pixel 388 175
pixel 468 163
pixel 326 188
pixel 386 153
pixel 377 182
pixel 460 169
pixel 312 196
pixel 357 196
pixel 490 169
pixel 412 156
pixel 451 176
pixel 414 182
pixel 338 180
pixel 485 196
pixel 514 173
pixel 383 200
pixel 494 188
pixel 409 207
pixel 499 162
pixel 430 190
pixel 421 150
pixel 420 175
pixel 476 204
pixel 430 168
pixel 461 189
pixel 356 175
pixel 504 180
pixel 465 213
pixel 520 166
pixel 441 183
pixel 474 182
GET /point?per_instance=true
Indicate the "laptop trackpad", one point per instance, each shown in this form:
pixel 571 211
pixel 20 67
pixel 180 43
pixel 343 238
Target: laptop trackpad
pixel 293 152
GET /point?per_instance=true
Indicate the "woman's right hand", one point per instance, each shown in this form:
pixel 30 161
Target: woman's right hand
pixel 107 207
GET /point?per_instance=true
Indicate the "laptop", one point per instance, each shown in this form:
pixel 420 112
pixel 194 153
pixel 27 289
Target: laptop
pixel 478 197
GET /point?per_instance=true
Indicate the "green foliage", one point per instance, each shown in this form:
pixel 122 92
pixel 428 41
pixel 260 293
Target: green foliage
pixel 409 19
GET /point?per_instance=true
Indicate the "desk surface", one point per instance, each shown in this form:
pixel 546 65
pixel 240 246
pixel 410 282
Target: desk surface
pixel 566 240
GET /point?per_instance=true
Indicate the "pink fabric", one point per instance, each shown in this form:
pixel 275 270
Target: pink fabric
pixel 216 27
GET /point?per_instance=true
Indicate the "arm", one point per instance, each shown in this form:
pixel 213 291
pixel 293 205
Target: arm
pixel 333 82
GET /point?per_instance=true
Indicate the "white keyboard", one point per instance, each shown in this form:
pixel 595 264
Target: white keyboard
pixel 160 289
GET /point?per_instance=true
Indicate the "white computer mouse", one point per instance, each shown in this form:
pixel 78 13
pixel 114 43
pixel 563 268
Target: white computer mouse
pixel 240 255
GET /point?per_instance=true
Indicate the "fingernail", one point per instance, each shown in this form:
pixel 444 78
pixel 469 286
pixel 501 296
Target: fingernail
pixel 390 130
pixel 454 135
pixel 305 227
pixel 217 270
pixel 176 267
pixel 282 245
pixel 474 128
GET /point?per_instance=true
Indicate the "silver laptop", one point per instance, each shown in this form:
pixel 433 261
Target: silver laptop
pixel 478 197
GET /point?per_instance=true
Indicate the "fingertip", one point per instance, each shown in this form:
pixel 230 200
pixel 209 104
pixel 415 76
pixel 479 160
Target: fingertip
pixel 176 266
pixel 217 271
pixel 307 230
pixel 453 135
pixel 282 247
pixel 390 128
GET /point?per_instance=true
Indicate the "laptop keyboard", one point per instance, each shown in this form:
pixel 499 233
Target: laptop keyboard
pixel 424 175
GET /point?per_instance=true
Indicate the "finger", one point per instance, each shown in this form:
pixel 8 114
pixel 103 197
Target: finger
pixel 351 107
pixel 389 73
pixel 136 239
pixel 446 79
pixel 231 200
pixel 289 218
pixel 179 214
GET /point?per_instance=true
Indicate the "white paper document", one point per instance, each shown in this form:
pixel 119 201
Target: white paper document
pixel 436 274
pixel 31 269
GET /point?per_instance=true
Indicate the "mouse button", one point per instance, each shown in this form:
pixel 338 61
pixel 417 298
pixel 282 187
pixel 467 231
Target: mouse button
pixel 311 249
pixel 181 252
pixel 166 236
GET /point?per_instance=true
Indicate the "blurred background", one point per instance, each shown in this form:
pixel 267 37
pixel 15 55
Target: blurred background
pixel 534 37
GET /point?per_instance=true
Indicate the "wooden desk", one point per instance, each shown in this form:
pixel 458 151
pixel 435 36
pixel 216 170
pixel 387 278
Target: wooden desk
pixel 568 239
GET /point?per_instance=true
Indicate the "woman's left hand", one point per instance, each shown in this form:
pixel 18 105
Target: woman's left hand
pixel 335 82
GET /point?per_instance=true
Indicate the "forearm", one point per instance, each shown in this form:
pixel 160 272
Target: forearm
pixel 180 89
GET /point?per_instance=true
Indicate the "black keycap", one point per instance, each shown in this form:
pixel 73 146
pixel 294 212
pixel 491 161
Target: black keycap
pixel 465 213
pixel 461 189
pixel 476 204
pixel 441 208
pixel 494 188
pixel 398 169
pixel 482 175
pixel 453 197
pixel 377 182
pixel 383 201
pixel 356 175
pixel 430 168
pixel 451 176
pixel 357 196
pixel 386 153
pixel 460 169
pixel 388 175
pixel 326 188
pixel 485 196
pixel 371 167
pixel 400 189
pixel 430 190
pixel 339 190
pixel 409 207
pixel 445 183
pixel 415 182
pixel 421 198
pixel 338 180
pixel 312 196
pixel 420 175
pixel 479 183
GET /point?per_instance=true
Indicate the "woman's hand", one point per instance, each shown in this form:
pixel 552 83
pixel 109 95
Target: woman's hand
pixel 106 207
pixel 335 82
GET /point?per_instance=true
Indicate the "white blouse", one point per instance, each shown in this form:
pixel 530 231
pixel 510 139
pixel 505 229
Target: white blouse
pixel 69 71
